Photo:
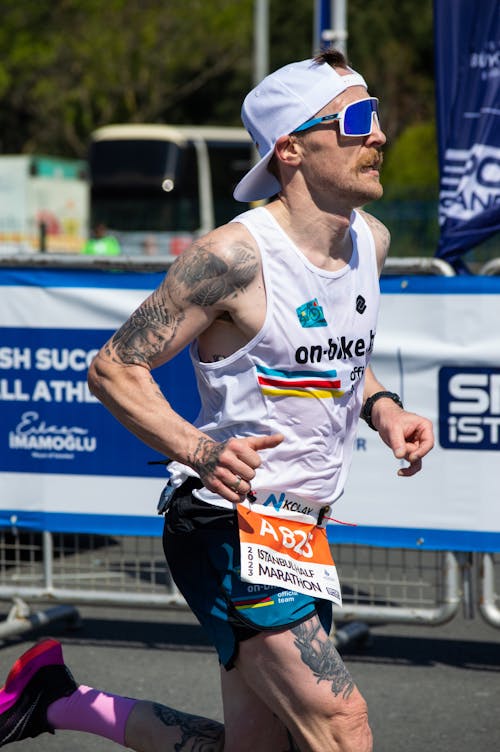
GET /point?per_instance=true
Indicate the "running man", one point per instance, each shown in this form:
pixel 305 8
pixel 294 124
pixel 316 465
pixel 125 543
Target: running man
pixel 280 310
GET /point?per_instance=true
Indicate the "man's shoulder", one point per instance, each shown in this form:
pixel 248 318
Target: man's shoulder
pixel 381 235
pixel 222 262
pixel 226 243
pixel 379 230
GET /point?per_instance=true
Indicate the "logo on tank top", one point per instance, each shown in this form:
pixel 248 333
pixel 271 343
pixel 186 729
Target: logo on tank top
pixel 311 314
pixel 360 304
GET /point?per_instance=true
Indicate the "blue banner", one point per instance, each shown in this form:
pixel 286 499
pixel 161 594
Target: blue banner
pixel 65 463
pixel 467 44
pixel 51 423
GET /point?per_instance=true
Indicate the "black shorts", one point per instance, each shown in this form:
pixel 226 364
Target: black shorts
pixel 201 544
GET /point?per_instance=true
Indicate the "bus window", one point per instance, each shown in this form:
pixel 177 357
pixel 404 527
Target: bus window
pixel 165 185
pixel 137 161
pixel 130 199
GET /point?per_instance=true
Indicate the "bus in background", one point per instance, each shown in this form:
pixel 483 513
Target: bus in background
pixel 158 187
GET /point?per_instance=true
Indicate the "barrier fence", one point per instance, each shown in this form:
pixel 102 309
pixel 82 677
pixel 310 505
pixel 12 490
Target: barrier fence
pixel 388 585
pixel 44 559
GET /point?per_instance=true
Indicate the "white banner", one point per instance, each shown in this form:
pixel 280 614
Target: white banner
pixel 438 346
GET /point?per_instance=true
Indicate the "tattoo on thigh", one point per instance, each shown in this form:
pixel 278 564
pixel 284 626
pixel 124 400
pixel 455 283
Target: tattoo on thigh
pixel 197 734
pixel 319 653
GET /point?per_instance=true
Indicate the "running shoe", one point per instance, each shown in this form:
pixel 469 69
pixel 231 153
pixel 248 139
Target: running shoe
pixel 37 679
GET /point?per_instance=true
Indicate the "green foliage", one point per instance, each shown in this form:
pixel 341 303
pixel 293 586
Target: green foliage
pixel 69 66
pixel 411 165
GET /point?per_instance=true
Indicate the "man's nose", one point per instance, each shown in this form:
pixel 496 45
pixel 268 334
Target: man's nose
pixel 376 135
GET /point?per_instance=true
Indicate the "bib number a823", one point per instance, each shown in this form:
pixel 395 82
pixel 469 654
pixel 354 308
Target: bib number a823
pixel 295 539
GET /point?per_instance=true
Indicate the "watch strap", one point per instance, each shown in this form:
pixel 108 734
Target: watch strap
pixel 366 411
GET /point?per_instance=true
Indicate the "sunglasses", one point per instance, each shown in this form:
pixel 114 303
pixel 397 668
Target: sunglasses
pixel 356 119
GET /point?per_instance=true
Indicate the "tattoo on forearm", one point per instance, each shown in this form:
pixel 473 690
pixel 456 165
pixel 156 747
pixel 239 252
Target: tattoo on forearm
pixel 205 457
pixel 320 654
pixel 208 279
pixel 197 734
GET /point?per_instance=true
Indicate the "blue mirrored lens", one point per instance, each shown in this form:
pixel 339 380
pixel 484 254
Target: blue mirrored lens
pixel 358 117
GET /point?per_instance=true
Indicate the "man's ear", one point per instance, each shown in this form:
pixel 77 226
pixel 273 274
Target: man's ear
pixel 288 150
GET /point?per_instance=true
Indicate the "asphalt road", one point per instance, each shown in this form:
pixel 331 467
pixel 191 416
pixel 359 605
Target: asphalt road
pixel 428 688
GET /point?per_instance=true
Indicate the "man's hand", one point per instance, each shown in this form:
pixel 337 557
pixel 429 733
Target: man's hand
pixel 227 468
pixel 409 435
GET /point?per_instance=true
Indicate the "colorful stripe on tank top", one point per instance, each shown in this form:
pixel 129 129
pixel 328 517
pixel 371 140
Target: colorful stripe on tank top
pixel 275 383
pixel 257 601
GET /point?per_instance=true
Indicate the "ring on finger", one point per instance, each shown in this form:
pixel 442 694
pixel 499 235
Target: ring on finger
pixel 236 485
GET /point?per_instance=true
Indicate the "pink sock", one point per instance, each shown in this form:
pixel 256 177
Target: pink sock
pixel 93 711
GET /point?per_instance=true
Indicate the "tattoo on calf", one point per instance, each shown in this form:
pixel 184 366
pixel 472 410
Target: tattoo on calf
pixel 320 654
pixel 197 734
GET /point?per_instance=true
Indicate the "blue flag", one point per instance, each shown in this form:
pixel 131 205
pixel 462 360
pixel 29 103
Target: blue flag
pixel 467 43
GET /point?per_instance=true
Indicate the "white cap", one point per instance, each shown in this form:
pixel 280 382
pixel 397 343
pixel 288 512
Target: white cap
pixel 280 103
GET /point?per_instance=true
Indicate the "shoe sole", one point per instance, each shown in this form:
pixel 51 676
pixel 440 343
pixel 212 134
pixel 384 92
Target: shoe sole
pixel 45 653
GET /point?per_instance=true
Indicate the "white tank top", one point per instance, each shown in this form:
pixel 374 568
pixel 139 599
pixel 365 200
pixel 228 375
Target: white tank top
pixel 302 375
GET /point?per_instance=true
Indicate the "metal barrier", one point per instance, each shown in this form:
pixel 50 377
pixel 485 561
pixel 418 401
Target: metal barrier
pixel 389 585
pixel 379 584
pixel 392 266
pixel 489 600
pixel 491 268
pixel 75 261
pixel 416 265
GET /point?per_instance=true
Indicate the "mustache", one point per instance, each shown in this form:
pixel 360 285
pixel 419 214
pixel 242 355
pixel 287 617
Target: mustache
pixel 375 160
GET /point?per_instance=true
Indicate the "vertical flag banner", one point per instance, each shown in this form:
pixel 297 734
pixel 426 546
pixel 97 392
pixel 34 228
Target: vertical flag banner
pixel 467 44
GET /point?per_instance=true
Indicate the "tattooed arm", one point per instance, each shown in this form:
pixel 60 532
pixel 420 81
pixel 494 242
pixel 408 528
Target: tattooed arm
pixel 217 275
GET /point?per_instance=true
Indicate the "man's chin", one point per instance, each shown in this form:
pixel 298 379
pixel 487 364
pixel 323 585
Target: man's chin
pixel 373 193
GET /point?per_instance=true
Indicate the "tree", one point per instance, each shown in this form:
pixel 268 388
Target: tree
pixel 69 66
pixel 393 44
pixel 411 167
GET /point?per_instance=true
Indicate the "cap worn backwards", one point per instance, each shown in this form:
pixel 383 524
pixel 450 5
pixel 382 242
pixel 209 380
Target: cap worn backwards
pixel 280 103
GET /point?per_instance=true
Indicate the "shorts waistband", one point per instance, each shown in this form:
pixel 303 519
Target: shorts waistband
pixel 269 502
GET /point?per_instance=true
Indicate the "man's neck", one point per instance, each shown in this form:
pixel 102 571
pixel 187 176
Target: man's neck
pixel 323 237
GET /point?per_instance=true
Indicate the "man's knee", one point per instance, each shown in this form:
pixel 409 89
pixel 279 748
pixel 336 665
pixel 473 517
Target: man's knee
pixel 350 727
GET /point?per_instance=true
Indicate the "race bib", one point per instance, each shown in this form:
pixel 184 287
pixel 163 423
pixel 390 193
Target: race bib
pixel 287 554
